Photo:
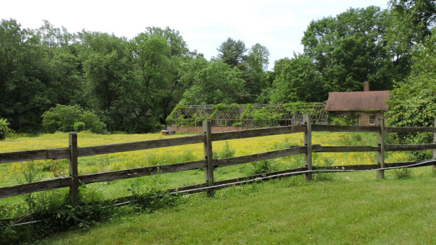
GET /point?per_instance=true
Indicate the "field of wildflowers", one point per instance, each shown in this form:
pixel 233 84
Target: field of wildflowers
pixel 25 172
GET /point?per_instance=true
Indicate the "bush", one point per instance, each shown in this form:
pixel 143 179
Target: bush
pixel 349 118
pixel 226 152
pixel 402 173
pixel 79 126
pixel 4 129
pixel 61 118
pixel 92 122
pixel 237 124
pixel 262 167
pixel 64 118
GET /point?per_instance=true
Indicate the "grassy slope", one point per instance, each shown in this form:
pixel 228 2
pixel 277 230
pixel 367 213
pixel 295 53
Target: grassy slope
pixel 343 211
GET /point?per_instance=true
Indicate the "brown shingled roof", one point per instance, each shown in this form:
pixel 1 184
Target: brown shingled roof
pixel 357 101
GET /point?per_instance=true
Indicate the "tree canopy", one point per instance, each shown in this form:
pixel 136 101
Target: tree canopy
pixel 133 84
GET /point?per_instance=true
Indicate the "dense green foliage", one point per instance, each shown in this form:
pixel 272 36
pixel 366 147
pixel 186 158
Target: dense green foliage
pixel 349 49
pixel 261 116
pixel 295 78
pixel 71 118
pixel 412 102
pixel 211 83
pixel 4 129
pixel 133 84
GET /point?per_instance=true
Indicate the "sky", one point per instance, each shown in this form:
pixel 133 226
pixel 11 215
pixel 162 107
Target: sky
pixel 204 25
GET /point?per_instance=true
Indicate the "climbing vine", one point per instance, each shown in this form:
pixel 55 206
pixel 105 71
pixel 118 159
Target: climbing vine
pixel 238 115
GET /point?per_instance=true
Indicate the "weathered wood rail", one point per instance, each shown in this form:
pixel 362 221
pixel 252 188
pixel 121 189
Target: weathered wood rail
pixel 209 164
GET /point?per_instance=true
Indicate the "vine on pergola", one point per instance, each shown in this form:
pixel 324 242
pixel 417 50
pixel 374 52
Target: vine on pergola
pixel 253 115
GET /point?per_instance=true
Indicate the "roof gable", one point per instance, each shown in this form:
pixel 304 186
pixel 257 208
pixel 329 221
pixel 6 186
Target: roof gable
pixel 357 101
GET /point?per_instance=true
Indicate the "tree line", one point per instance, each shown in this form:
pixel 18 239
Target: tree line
pixel 133 84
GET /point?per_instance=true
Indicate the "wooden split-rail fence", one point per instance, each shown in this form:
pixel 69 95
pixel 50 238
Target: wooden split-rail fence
pixel 74 180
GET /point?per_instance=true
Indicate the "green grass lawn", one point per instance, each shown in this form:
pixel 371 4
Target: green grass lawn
pixel 350 209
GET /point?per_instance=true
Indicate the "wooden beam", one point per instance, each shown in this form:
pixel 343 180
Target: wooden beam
pixel 434 142
pixel 34 187
pixel 372 166
pixel 381 145
pixel 259 156
pixel 63 153
pixel 194 188
pixel 419 147
pixel 405 130
pixel 208 156
pixel 308 144
pixel 337 128
pixel 228 181
pixel 73 170
pixel 258 132
pixel 138 172
pixel 319 148
pixel 23 156
pixel 142 145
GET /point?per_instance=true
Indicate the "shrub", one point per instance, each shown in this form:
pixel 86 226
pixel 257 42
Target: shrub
pixel 64 118
pixel 349 118
pixel 264 166
pixel 402 173
pixel 4 129
pixel 92 122
pixel 237 124
pixel 79 126
pixel 226 152
pixel 61 118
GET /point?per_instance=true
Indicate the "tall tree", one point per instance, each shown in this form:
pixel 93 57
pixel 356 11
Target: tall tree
pixel 413 102
pixel 212 82
pixel 350 49
pixel 410 23
pixel 65 65
pixel 178 53
pixel 255 76
pixel 25 85
pixel 417 14
pixel 153 66
pixel 296 79
pixel 232 52
pixel 107 63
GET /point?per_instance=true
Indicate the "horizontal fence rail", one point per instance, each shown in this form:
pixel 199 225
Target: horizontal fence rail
pixel 44 185
pixel 337 128
pixel 420 147
pixel 63 153
pixel 73 152
pixel 259 157
pixel 258 132
pixel 319 148
pixel 406 130
pixel 136 146
pixel 23 156
pixel 139 172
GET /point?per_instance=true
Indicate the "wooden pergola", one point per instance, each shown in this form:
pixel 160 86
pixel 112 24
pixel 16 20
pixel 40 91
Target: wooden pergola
pixel 247 116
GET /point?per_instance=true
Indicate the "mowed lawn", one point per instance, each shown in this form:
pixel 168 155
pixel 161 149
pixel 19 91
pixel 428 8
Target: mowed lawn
pixel 345 210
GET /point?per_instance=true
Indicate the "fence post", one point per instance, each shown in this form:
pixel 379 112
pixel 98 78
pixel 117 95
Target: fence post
pixel 307 119
pixel 74 188
pixel 381 144
pixel 208 156
pixel 434 150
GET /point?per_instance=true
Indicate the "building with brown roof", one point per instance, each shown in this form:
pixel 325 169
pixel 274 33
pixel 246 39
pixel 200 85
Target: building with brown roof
pixel 368 105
